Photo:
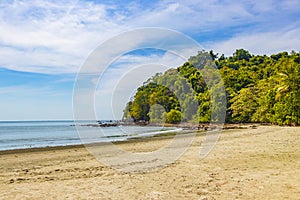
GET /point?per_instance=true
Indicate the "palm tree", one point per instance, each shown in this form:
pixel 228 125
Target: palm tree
pixel 289 84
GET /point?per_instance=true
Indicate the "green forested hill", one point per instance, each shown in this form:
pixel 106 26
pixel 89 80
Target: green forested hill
pixel 259 88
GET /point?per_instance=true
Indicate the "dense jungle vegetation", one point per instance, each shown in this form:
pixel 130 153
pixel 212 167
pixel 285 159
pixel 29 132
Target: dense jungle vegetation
pixel 257 88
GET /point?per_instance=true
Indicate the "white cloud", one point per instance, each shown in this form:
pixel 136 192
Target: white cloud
pixel 261 43
pixel 52 34
pixel 57 36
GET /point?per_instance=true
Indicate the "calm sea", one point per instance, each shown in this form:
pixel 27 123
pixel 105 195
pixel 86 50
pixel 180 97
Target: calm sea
pixel 33 134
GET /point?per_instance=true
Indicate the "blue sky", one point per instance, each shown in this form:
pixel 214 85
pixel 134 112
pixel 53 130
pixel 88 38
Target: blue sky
pixel 44 43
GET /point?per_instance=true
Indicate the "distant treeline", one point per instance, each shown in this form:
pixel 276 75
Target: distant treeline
pixel 258 88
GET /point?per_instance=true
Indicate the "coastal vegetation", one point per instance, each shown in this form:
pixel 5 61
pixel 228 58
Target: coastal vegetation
pixel 257 88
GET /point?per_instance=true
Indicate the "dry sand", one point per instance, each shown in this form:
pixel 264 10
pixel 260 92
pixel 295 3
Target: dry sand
pixel 261 163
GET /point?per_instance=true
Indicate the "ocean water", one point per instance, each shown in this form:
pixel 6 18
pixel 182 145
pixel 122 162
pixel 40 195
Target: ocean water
pixel 33 134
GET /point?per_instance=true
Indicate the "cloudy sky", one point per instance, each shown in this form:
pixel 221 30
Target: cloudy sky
pixel 43 44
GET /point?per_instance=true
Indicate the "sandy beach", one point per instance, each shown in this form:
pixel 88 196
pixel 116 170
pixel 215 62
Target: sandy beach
pixel 252 163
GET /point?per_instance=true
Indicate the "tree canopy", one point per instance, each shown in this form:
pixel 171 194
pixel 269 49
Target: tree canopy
pixel 259 88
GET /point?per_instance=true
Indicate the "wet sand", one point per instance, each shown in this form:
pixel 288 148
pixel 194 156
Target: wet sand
pixel 260 163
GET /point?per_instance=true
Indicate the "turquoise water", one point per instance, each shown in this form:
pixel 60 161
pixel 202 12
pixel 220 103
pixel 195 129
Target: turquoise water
pixel 33 134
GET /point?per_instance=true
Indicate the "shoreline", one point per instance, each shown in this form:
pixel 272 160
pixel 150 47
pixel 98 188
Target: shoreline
pixel 187 127
pixel 75 146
